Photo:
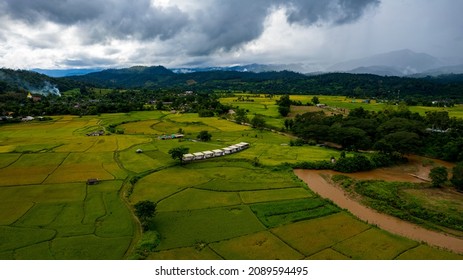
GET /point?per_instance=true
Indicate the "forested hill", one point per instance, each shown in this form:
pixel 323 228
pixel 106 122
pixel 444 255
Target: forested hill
pixel 449 87
pixel 29 81
pixel 358 85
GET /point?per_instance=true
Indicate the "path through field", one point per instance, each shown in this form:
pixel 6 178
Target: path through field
pixel 319 185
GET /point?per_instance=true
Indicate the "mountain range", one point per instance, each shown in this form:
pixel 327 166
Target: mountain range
pixel 399 63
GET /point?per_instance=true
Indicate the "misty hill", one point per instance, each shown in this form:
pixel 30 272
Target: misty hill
pixel 399 63
pixel 23 80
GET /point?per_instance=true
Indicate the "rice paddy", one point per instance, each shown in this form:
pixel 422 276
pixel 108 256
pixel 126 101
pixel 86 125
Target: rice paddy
pixel 220 208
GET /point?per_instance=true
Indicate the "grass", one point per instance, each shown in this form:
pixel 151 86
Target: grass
pixel 409 202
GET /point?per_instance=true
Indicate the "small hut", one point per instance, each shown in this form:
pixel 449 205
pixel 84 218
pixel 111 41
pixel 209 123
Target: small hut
pixel 93 181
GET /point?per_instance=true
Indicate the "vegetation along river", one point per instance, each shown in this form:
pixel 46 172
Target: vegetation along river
pixel 394 225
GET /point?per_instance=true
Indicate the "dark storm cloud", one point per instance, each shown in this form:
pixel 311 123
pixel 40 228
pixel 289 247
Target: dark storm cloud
pixel 205 27
pixel 328 11
pixel 228 24
pixel 85 60
pixel 103 19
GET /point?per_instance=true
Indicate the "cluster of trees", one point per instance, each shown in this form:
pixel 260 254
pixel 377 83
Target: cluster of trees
pixel 389 131
pixel 92 101
pixel 284 105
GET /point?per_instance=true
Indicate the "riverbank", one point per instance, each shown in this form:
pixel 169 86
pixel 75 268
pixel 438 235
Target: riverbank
pixel 394 225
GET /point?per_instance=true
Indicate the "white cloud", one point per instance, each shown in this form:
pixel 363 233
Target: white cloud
pixel 117 33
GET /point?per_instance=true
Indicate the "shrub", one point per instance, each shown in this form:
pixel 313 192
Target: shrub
pixel 457 176
pixel 353 164
pixel 439 175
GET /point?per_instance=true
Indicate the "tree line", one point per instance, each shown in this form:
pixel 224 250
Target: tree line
pixel 389 131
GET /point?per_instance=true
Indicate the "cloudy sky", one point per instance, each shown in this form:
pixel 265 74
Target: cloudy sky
pixel 60 34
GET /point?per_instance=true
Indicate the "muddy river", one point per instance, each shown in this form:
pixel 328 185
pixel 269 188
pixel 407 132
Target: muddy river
pixel 386 222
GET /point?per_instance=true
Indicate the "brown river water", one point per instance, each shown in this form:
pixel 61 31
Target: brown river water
pixel 394 225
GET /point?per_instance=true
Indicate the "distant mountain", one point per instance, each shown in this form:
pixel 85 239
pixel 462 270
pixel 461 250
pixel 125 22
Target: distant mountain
pixel 398 63
pixel 256 68
pixel 453 69
pixel 377 70
pixel 58 73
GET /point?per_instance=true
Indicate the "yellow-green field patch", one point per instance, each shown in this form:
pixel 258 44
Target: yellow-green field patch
pixel 188 228
pixel 258 246
pixel 7 159
pixel 315 235
pixel 140 162
pixel 30 169
pixel 271 195
pixel 10 211
pixel 39 251
pixel 6 149
pixel 43 193
pixel 166 182
pixel 198 199
pixel 117 221
pixel 40 215
pixel 79 167
pixel 140 127
pixel 14 237
pixel 328 254
pixel 374 244
pixel 188 253
pixel 95 248
pixel 424 252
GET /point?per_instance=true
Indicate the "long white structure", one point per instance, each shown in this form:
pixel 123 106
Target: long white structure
pixel 215 153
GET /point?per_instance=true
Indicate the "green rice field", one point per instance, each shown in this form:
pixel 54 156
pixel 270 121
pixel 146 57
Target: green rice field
pixel 220 208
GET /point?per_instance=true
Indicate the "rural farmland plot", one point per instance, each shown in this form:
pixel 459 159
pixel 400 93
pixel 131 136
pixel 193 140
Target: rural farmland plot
pixel 238 206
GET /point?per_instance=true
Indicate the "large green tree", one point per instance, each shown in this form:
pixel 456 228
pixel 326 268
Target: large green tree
pixel 204 136
pixel 241 116
pixel 402 142
pixel 178 152
pixel 258 121
pixel 145 211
